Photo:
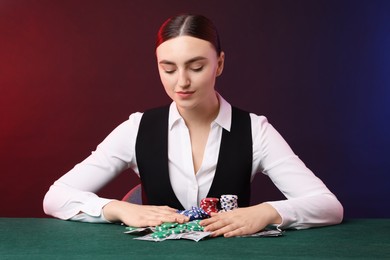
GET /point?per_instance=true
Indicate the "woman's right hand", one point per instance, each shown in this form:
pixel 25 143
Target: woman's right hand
pixel 141 215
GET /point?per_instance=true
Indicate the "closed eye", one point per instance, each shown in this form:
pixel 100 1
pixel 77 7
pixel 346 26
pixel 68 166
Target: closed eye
pixel 197 69
pixel 169 71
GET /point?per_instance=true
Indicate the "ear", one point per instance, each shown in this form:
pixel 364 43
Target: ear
pixel 221 62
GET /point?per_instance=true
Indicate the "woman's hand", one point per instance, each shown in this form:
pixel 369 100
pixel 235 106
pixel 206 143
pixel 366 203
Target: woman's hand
pixel 241 221
pixel 141 215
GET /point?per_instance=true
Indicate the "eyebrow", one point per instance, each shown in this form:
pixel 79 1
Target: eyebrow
pixel 197 58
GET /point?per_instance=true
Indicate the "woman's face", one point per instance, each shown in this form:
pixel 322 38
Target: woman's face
pixel 188 67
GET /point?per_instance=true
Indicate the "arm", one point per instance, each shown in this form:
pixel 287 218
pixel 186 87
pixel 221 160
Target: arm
pixel 73 195
pixel 309 202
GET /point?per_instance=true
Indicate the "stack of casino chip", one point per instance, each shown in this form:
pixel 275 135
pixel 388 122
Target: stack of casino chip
pixel 228 202
pixel 194 213
pixel 209 205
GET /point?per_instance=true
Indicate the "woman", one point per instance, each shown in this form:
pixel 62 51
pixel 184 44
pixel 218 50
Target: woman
pixel 199 146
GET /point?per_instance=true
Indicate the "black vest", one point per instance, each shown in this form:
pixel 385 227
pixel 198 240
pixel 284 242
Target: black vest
pixel 234 167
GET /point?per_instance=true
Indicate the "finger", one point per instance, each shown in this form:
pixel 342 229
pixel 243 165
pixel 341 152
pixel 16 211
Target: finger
pixel 214 218
pixel 206 222
pixel 167 208
pixel 215 225
pixel 166 218
pixel 161 209
pixel 153 223
pixel 222 231
pixel 182 219
pixel 236 232
pixel 174 218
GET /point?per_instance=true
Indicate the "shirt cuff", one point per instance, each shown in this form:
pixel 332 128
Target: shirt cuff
pixel 92 210
pixel 286 212
pixel 83 217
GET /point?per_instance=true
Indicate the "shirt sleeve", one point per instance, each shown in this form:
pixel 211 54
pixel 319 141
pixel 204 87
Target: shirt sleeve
pixel 73 196
pixel 308 202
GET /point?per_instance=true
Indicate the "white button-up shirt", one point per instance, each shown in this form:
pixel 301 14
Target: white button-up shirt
pixel 309 202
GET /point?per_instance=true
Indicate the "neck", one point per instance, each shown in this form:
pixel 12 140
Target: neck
pixel 202 114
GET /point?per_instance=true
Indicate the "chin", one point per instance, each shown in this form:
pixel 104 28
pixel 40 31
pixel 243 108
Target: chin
pixel 186 104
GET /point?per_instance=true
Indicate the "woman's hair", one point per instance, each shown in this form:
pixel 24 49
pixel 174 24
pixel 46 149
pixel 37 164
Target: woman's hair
pixel 197 26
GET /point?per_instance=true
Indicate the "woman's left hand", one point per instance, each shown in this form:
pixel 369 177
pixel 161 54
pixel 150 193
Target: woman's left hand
pixel 241 221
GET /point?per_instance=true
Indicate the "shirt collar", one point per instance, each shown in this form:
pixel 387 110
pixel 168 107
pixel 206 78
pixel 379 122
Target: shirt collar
pixel 223 119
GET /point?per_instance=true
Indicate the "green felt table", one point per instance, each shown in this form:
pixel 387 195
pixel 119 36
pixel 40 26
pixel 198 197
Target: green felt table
pixel 45 238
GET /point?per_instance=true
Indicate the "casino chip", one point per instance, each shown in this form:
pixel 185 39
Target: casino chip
pixel 194 213
pixel 160 234
pixel 130 228
pixel 228 202
pixel 194 226
pixel 177 230
pixel 166 229
pixel 209 205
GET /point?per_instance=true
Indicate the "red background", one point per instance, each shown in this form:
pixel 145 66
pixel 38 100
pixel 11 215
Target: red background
pixel 71 71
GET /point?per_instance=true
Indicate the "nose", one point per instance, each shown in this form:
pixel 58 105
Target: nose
pixel 183 80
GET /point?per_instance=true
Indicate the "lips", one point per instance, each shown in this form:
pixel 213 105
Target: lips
pixel 185 94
